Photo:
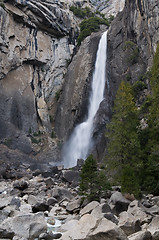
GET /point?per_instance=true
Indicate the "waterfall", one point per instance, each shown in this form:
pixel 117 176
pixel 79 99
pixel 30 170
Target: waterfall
pixel 80 142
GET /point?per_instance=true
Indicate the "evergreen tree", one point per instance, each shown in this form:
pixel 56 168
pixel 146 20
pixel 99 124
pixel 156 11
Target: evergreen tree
pixel 124 145
pixel 93 181
pixel 151 147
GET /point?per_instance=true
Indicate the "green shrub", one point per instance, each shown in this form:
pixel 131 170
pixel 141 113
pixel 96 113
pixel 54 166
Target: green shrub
pixel 132 59
pixel 36 134
pixel 90 25
pixel 8 142
pixel 111 18
pixel 82 12
pixel 145 106
pixel 2 4
pixel 138 87
pixel 34 140
pixel 128 45
pixel 133 52
pixel 53 134
pixel 58 94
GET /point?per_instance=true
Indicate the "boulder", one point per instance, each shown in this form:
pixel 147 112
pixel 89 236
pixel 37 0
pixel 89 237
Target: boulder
pixel 15 202
pixel 40 207
pixel 60 193
pixel 141 235
pixel 73 206
pixel 25 208
pixel 28 226
pixel 152 210
pixel 49 182
pixel 101 209
pixel 89 207
pixel 32 200
pixel 68 225
pixel 154 227
pixel 4 202
pixel 139 214
pixel 20 184
pixel 71 176
pixel 7 234
pixel 118 203
pixel 3 215
pixel 111 217
pixel 128 223
pixel 51 201
pixel 56 210
pixel 92 228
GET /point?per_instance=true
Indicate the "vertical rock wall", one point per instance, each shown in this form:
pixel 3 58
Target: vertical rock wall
pixel 36 44
pixel 137 26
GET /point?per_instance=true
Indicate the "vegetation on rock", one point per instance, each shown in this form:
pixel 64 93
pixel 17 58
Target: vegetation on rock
pixel 82 12
pixel 92 24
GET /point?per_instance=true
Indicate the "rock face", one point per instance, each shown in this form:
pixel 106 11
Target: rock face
pixel 37 41
pixel 132 41
pixel 74 100
pixel 111 7
pixel 45 86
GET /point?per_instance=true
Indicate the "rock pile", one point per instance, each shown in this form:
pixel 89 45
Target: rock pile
pixel 38 207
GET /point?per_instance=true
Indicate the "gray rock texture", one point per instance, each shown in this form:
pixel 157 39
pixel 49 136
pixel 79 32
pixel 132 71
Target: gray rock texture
pixel 132 41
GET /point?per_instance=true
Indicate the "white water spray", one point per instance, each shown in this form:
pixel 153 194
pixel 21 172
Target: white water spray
pixel 80 141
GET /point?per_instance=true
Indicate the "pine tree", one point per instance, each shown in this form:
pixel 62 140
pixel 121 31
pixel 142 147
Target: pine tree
pixel 124 145
pixel 93 182
pixel 151 161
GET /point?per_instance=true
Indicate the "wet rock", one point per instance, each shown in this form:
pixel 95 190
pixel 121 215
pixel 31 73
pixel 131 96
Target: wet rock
pixel 46 236
pixel 51 220
pixel 57 235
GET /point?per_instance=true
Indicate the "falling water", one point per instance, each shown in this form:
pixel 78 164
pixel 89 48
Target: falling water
pixel 80 141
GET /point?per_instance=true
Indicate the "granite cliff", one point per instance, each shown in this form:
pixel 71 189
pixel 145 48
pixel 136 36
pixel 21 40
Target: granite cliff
pixel 45 77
